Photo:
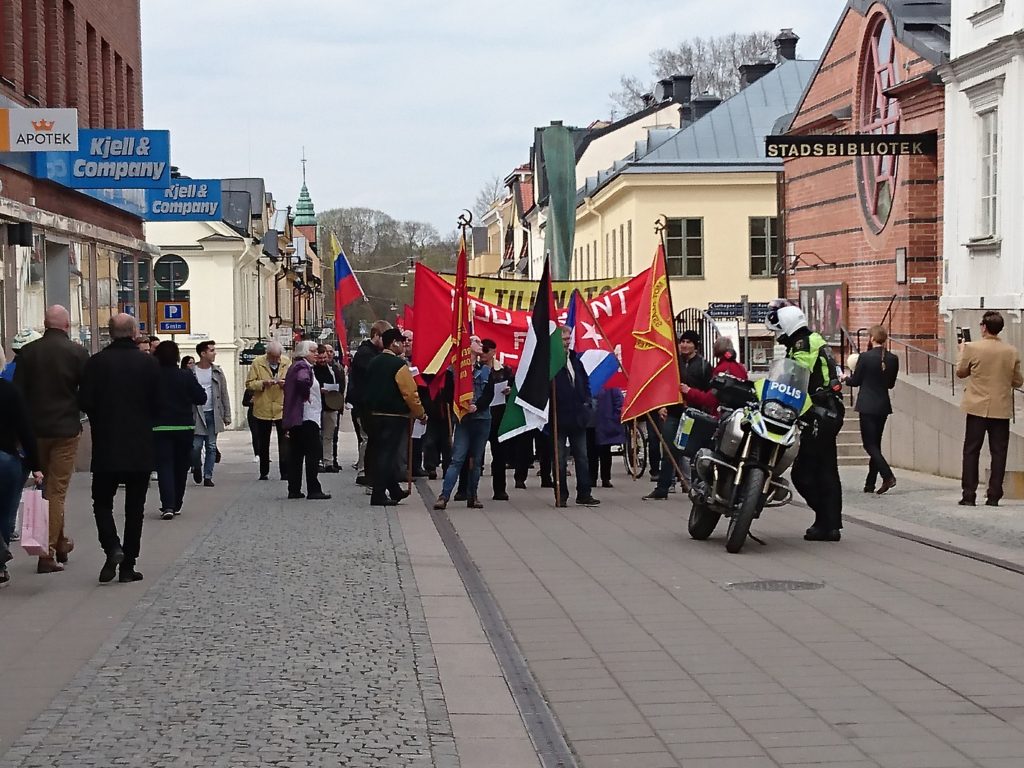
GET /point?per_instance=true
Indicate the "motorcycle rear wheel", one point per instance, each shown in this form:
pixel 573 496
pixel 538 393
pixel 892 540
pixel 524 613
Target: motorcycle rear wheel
pixel 750 496
pixel 702 521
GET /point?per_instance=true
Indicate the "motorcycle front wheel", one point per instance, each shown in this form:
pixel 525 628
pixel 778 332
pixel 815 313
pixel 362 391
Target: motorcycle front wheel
pixel 702 521
pixel 750 497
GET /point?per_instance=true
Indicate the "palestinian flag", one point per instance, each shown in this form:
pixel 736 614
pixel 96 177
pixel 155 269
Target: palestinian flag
pixel 543 357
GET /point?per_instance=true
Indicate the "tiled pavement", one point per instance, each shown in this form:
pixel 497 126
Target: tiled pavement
pixel 907 657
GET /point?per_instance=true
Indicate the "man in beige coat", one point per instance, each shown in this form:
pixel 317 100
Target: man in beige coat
pixel 266 382
pixel 992 368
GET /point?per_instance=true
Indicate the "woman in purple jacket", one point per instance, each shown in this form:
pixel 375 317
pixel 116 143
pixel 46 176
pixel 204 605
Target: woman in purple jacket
pixel 606 432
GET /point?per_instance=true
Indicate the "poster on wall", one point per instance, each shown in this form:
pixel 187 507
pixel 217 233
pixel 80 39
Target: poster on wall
pixel 825 308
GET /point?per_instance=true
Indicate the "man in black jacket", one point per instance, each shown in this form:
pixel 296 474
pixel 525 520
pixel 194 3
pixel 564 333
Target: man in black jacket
pixel 573 411
pixel 48 375
pixel 694 372
pixel 875 374
pixel 120 393
pixel 357 394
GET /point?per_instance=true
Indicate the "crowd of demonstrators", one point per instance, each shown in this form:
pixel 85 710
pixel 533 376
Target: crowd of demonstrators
pixel 389 400
pixel 120 391
pixel 992 369
pixel 48 375
pixel 18 456
pixel 265 381
pixel 213 416
pixel 301 416
pixel 180 392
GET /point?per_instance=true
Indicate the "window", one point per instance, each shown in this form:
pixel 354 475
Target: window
pixel 622 249
pixel 989 173
pixel 684 247
pixel 629 239
pixel 92 69
pixel 54 97
pixel 764 246
pixel 880 115
pixel 611 272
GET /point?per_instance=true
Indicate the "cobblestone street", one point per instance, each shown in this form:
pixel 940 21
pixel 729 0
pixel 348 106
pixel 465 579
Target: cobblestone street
pixel 288 634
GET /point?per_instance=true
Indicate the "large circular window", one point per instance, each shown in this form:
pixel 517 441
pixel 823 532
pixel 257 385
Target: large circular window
pixel 879 115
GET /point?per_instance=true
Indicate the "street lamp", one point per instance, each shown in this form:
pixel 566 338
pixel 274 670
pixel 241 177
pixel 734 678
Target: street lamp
pixel 404 283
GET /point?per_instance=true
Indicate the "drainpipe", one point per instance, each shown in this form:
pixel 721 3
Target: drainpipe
pixel 589 202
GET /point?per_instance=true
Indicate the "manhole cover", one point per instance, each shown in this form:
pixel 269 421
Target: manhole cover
pixel 775 585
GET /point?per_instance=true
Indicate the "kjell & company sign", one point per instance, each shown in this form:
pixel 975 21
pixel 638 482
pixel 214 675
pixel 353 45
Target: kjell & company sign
pixel 38 130
pixel 855 145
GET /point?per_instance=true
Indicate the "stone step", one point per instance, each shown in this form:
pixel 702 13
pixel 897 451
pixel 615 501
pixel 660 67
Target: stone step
pixel 853 461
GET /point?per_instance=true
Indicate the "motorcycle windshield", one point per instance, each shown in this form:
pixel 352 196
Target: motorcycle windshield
pixel 787 383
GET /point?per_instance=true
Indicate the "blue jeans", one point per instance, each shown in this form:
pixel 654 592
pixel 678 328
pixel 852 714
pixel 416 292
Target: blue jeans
pixel 470 439
pixel 210 441
pixel 577 437
pixel 12 480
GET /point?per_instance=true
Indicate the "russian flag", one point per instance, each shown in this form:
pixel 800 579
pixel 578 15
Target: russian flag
pixel 590 345
pixel 346 285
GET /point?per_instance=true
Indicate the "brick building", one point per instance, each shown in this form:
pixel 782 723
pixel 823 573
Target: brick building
pixel 864 235
pixel 58 245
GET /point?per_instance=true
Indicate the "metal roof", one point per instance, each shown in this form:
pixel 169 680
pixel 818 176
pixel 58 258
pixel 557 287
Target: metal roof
pixel 729 139
pixel 922 25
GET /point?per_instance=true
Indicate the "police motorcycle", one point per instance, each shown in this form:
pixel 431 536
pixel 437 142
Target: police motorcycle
pixel 739 461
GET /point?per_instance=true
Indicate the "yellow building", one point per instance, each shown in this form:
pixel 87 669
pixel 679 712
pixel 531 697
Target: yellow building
pixel 713 184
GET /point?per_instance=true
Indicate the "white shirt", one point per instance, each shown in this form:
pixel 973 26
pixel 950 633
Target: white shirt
pixel 311 409
pixel 205 376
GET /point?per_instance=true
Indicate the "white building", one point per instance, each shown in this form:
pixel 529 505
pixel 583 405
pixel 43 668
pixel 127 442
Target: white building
pixel 984 165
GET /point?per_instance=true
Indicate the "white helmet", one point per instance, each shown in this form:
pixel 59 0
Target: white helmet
pixel 784 321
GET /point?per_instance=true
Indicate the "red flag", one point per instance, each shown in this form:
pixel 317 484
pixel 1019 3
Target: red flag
pixel 654 369
pixel 461 359
pixel 410 321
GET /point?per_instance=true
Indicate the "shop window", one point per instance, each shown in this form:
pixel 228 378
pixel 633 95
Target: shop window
pixel 879 115
pixel 31 285
pixel 988 172
pixel 764 246
pixel 684 247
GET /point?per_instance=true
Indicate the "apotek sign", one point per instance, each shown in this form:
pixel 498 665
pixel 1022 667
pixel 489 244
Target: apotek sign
pixel 38 130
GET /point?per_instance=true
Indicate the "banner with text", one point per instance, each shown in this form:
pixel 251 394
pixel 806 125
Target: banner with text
pixel 111 159
pixel 519 295
pixel 185 200
pixel 614 309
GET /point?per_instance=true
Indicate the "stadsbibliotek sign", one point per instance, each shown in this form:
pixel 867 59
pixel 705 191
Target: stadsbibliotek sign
pixel 856 145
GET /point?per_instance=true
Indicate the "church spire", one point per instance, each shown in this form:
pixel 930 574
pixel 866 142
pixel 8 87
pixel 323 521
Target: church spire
pixel 305 215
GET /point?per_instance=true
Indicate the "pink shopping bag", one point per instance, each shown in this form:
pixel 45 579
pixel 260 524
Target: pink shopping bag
pixel 35 523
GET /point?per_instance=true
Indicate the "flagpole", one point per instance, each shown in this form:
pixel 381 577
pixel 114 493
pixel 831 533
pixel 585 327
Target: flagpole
pixel 657 430
pixel 556 462
pixel 408 466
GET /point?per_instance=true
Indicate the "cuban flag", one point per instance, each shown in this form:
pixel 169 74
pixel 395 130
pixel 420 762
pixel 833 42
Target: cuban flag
pixel 589 344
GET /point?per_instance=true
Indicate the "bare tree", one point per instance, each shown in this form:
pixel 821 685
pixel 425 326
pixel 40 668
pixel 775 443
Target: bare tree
pixel 492 191
pixel 714 63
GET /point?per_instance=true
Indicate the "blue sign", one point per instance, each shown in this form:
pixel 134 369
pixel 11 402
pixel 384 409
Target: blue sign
pixel 173 312
pixel 111 159
pixel 179 326
pixel 185 200
pixel 784 393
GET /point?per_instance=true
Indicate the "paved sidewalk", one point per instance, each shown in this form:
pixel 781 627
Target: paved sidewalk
pixel 653 655
pixel 290 633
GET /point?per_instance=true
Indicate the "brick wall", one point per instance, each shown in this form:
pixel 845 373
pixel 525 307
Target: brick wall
pixel 825 215
pixel 48 57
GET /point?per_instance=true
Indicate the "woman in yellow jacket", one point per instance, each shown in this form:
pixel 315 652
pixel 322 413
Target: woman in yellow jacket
pixel 266 383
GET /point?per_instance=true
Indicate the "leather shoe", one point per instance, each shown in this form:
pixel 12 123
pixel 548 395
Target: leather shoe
pixel 967 503
pixel 296 495
pixel 197 475
pixel 128 575
pixel 460 496
pixel 441 503
pixel 109 570
pixel 402 494
pixel 868 489
pixel 385 502
pixel 887 485
pixel 208 483
pixel 521 484
pixel 547 484
pixel 500 497
pixel 607 484
pixel 65 550
pixel 432 474
pixel 656 496
pixel 988 503
pixel 474 503
pixel 820 534
pixel 48 565
pixel 590 501
pixel 321 496
pixel 361 480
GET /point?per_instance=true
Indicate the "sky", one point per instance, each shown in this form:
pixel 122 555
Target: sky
pixel 408 106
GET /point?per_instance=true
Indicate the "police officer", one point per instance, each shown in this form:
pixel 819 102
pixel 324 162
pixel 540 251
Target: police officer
pixel 816 469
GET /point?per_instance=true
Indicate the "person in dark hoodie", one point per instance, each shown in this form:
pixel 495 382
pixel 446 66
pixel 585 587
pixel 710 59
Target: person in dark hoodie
pixel 175 424
pixel 356 396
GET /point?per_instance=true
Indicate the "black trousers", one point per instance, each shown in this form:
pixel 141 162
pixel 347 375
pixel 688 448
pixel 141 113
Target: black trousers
pixel 173 460
pixel 998 431
pixel 387 434
pixel 816 477
pixel 501 453
pixel 871 428
pixel 544 445
pixel 104 488
pixel 368 427
pixel 653 445
pixel 599 458
pixel 263 429
pixel 250 420
pixel 304 448
pixel 437 445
